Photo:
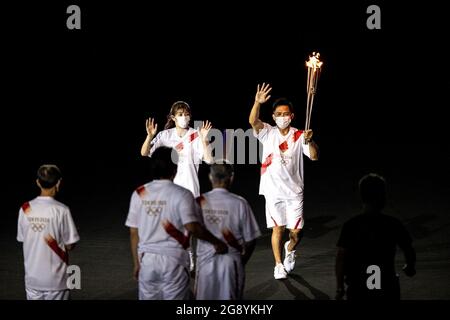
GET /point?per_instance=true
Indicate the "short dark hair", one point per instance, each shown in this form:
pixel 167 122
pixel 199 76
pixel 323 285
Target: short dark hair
pixel 372 188
pixel 221 172
pixel 48 175
pixel 282 102
pixel 164 163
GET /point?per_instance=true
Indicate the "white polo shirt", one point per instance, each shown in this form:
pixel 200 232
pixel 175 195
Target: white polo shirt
pixel 282 162
pixel 190 153
pixel 229 218
pixel 45 225
pixel 159 210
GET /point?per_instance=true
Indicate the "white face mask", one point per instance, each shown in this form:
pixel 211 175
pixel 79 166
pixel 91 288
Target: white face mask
pixel 183 121
pixel 282 122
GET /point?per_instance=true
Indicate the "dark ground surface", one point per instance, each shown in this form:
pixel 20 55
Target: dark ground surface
pixel 80 99
pixel 417 197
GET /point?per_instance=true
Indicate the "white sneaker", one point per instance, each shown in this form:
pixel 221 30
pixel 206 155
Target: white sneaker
pixel 289 258
pixel 279 272
pixel 191 261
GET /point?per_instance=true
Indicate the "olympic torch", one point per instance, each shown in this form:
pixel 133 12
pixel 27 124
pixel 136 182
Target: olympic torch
pixel 314 67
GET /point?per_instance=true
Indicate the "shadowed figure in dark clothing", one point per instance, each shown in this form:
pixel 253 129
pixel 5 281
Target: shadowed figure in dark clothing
pixel 367 245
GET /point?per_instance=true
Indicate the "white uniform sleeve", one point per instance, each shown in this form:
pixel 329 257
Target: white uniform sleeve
pixel 262 135
pixel 250 228
pixel 188 210
pixel 69 230
pixel 20 226
pixel 305 147
pixel 133 212
pixel 199 211
pixel 157 142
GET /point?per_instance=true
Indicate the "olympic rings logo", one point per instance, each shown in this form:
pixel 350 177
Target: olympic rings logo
pixel 37 227
pixel 153 211
pixel 213 219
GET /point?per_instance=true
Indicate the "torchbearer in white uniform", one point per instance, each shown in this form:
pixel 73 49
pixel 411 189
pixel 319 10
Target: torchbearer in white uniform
pixel 230 218
pixel 162 216
pixel 191 144
pixel 282 175
pixel 46 228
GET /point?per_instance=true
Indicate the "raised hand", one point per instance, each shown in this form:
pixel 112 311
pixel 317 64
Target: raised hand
pixel 262 92
pixel 206 126
pixel 151 126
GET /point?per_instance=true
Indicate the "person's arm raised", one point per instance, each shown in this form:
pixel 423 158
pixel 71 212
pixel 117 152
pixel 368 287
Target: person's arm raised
pixel 207 153
pixel 260 98
pixel 151 128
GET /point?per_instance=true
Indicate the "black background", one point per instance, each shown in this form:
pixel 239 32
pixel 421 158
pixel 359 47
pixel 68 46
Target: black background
pixel 79 98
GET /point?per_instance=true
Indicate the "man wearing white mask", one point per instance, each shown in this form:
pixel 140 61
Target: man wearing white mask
pixel 282 175
pixel 192 146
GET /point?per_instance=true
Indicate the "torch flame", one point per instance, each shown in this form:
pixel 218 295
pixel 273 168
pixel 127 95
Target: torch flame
pixel 314 64
pixel 314 61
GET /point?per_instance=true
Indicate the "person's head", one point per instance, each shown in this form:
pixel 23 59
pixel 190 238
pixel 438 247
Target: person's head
pixel 372 189
pixel 282 112
pixel 164 163
pixel 179 115
pixel 221 175
pixel 49 177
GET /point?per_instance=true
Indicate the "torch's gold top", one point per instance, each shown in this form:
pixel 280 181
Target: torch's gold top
pixel 314 61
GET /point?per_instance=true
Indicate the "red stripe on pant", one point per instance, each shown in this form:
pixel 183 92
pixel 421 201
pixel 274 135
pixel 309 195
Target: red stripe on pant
pixel 51 242
pixel 298 222
pixel 176 234
pixel 276 225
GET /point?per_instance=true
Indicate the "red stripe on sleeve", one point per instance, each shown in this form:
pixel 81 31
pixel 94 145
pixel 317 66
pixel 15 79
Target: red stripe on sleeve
pixel 141 191
pixel 297 135
pixel 26 207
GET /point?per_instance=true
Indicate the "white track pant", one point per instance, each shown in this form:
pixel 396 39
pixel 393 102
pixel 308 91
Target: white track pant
pixel 33 294
pixel 162 278
pixel 221 277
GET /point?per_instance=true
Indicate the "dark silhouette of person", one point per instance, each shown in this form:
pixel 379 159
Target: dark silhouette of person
pixel 365 259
